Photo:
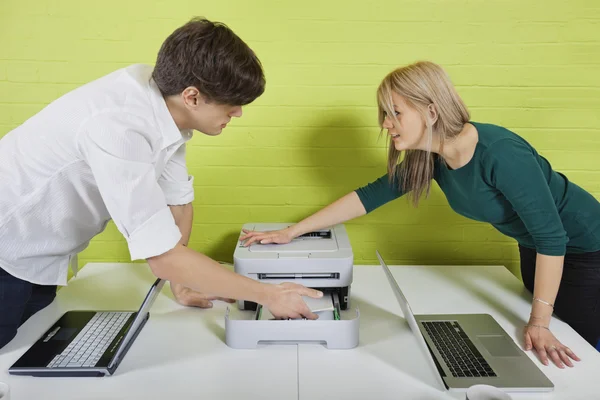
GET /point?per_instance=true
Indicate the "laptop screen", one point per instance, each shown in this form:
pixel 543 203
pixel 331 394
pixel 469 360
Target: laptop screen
pixel 406 310
pixel 412 321
pixel 140 317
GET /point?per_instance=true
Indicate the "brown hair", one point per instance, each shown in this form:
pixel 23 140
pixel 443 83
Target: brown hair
pixel 210 57
pixel 421 84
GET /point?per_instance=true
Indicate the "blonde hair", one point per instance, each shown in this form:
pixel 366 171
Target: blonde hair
pixel 421 84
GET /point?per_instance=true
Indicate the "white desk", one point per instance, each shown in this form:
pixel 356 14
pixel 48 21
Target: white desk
pixel 388 364
pixel 181 352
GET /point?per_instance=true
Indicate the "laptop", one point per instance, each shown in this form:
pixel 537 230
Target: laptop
pixel 86 343
pixel 470 349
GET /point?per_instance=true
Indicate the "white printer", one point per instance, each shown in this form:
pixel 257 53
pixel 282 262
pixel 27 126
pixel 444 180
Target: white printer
pixel 321 260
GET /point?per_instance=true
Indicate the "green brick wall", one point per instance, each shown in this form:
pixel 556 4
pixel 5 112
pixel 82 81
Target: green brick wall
pixel 533 66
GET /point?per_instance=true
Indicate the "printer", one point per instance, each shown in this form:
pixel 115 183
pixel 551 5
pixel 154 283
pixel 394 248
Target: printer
pixel 320 260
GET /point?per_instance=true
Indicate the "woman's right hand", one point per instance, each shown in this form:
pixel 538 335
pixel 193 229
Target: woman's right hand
pixel 281 236
pixel 285 300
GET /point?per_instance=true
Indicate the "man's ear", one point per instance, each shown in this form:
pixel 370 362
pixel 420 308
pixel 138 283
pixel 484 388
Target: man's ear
pixel 191 97
pixel 432 113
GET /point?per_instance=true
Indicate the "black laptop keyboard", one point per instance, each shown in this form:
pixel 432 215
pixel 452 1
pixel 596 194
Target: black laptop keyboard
pixel 90 344
pixel 457 350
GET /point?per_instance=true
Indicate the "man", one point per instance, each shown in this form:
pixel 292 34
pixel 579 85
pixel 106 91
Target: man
pixel 115 149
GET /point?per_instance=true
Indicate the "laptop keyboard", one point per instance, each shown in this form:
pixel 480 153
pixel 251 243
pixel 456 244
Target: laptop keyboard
pixel 92 341
pixel 457 350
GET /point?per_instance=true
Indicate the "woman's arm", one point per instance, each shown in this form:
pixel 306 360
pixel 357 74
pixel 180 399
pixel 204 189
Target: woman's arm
pixel 548 273
pixel 512 167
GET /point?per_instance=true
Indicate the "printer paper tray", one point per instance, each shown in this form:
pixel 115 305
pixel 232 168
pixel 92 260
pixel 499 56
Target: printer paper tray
pixel 242 331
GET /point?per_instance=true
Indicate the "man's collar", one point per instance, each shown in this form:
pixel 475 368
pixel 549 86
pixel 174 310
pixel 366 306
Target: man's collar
pixel 170 133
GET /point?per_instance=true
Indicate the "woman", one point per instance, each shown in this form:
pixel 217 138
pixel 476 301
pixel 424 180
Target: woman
pixel 489 174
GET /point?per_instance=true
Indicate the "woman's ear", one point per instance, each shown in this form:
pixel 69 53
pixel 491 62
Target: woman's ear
pixel 432 113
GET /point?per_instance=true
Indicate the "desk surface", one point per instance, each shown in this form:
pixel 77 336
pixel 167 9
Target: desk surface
pixel 181 352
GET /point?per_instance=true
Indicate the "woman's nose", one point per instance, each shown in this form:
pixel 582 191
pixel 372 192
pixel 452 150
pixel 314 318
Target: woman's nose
pixel 387 124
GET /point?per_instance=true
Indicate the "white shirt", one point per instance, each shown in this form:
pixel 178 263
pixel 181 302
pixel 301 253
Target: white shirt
pixel 107 150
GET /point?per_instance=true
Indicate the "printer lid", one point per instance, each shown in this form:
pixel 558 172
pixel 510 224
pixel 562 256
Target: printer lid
pixel 323 240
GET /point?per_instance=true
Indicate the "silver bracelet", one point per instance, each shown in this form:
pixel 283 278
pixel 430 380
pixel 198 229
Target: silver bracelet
pixel 543 317
pixel 543 302
pixel 538 326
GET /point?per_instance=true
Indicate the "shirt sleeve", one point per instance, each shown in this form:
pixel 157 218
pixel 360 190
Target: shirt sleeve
pixel 120 158
pixel 378 193
pixel 513 169
pixel 175 182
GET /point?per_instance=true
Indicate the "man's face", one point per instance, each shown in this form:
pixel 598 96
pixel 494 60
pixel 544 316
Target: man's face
pixel 208 117
pixel 212 118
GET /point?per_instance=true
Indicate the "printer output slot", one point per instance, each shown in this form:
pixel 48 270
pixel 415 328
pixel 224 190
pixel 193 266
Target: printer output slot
pixel 320 234
pixel 342 294
pixel 316 275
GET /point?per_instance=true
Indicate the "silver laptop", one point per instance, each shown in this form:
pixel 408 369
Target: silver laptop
pixel 470 349
pixel 86 343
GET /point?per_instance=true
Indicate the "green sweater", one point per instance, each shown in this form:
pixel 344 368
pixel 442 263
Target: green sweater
pixel 508 184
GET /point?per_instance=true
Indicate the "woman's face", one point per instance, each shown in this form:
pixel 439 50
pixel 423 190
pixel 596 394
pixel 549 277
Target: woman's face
pixel 409 132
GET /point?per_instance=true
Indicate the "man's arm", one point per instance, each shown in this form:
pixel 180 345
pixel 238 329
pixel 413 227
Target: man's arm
pixel 177 186
pixel 184 216
pixel 202 274
pixel 122 165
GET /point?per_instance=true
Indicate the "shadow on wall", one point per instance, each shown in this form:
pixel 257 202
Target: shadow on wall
pixel 220 248
pixel 337 155
pixel 350 152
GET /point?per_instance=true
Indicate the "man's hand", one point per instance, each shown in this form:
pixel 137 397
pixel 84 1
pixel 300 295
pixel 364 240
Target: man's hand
pixel 285 300
pixel 190 298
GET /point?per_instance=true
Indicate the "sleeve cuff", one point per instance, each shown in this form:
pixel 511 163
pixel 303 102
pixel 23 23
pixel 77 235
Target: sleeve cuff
pixel 552 251
pixel 178 193
pixel 156 236
pixel 362 197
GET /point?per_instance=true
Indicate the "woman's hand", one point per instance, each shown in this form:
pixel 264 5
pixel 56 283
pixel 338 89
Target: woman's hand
pixel 281 236
pixel 547 346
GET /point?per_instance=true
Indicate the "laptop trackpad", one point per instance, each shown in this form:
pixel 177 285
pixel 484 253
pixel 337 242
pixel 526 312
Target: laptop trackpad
pixel 499 346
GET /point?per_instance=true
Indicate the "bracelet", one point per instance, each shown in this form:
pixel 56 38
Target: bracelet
pixel 538 326
pixel 534 317
pixel 543 302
